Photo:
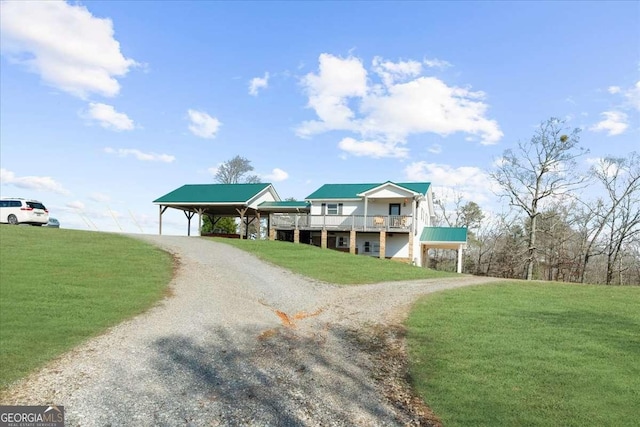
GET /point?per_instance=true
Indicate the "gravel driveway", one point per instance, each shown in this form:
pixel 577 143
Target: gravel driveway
pixel 240 342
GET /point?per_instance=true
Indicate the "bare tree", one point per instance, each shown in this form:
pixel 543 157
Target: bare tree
pixel 236 171
pixel 541 168
pixel 620 178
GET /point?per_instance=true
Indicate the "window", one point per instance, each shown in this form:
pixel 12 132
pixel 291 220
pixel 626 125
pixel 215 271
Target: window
pixel 334 208
pixel 371 247
pixel 341 242
pixel 394 208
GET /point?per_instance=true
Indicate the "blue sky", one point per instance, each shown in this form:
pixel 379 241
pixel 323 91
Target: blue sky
pixel 106 106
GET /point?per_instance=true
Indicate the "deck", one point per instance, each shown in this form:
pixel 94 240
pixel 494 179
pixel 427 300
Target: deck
pixel 394 223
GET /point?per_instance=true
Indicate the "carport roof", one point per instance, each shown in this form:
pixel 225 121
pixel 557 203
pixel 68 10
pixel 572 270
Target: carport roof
pixel 444 234
pixel 203 194
pixel 285 204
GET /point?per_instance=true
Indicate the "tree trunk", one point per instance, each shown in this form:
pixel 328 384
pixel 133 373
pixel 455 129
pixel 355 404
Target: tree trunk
pixel 532 247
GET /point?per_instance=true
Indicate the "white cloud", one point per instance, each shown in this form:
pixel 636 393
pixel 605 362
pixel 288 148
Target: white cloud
pixel 437 63
pixel 435 149
pixel 76 205
pixel 65 44
pixel 614 89
pixel 633 96
pixel 257 83
pixel 392 72
pixel 337 80
pixel 99 197
pixel 345 98
pixel 108 117
pixel 614 123
pixel 276 175
pixel 373 149
pixel 203 125
pixel 147 157
pixel 472 183
pixel 38 183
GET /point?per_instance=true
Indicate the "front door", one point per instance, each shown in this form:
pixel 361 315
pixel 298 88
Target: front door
pixel 394 209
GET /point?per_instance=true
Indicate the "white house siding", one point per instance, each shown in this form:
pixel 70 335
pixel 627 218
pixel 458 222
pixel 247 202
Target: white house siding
pixel 397 245
pixel 266 196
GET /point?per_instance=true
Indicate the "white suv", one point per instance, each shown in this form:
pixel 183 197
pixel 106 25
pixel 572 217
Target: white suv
pixel 22 211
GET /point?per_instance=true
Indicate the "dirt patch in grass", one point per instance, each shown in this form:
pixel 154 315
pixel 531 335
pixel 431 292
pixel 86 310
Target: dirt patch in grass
pixel 386 345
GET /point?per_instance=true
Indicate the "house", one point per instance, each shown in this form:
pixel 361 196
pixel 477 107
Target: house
pixel 385 220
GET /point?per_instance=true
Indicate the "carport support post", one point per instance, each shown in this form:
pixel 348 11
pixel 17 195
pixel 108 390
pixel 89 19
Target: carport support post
pixel 189 215
pixel 241 212
pixel 323 238
pixel 258 235
pixel 200 212
pixel 296 235
pixel 459 269
pixel 160 219
pixel 383 243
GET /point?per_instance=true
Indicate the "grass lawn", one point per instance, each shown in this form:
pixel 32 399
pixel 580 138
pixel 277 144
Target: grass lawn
pixel 332 266
pixel 529 354
pixel 59 287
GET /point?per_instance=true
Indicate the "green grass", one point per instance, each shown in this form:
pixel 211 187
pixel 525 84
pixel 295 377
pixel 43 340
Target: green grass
pixel 528 354
pixel 59 287
pixel 332 266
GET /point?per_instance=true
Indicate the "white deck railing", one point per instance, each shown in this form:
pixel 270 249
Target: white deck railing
pixel 342 222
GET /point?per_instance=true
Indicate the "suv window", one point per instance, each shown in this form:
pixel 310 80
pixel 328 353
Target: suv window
pixel 35 205
pixel 15 204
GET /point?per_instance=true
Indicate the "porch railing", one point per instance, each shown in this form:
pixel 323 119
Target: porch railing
pixel 342 222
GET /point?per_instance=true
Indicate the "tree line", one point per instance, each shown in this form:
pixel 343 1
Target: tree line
pixel 563 224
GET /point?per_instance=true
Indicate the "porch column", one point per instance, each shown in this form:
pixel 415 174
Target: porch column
pixel 272 234
pixel 366 207
pixel 383 243
pixel 352 242
pixel 296 236
pixel 323 239
pixel 411 246
pixel 459 269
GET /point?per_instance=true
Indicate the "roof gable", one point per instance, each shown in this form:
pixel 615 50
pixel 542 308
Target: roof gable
pixel 213 193
pixel 355 191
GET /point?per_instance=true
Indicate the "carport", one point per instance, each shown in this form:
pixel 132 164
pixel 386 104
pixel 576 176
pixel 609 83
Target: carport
pixel 454 238
pixel 218 201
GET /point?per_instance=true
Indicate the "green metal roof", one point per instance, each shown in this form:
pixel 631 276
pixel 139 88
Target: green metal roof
pixel 212 193
pixel 444 234
pixel 284 204
pixel 351 191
